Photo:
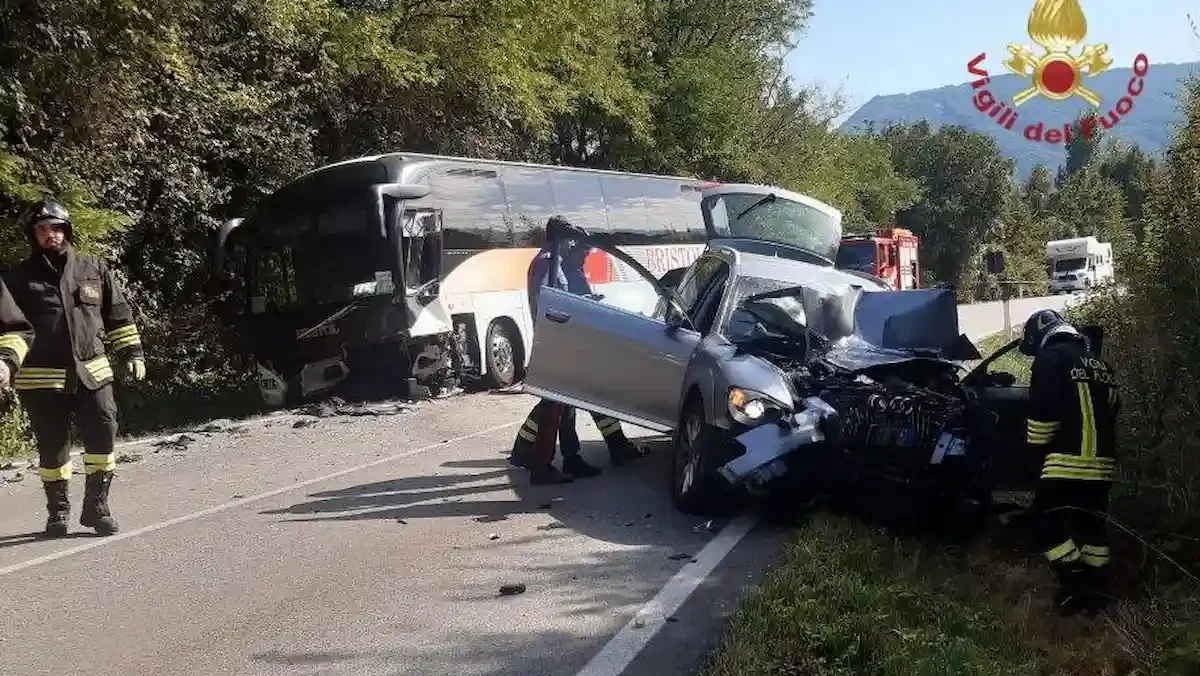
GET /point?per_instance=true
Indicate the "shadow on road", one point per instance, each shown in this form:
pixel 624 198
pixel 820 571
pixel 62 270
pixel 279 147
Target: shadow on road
pixel 36 536
pixel 628 505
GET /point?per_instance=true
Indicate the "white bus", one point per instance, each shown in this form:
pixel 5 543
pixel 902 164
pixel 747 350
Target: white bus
pixel 411 268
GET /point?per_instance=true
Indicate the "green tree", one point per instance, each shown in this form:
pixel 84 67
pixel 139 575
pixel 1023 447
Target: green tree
pixel 1038 192
pixel 964 182
pixel 1086 134
pixel 1135 173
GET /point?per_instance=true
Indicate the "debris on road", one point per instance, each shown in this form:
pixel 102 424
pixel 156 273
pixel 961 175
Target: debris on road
pixel 14 478
pixel 639 623
pixel 705 527
pixel 177 443
pixel 336 406
pixel 491 518
pixel 306 422
pixel 512 589
pixel 129 457
pixel 402 522
pixel 546 505
pixel 8 465
pixel 493 536
pixel 679 557
pixel 555 525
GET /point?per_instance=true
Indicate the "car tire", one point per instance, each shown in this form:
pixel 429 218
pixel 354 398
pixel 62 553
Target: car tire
pixel 503 355
pixel 696 452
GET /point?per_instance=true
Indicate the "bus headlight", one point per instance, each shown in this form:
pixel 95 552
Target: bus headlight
pixel 754 408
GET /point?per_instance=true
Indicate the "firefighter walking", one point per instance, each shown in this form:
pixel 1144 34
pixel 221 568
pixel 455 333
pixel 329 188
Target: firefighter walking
pixel 77 309
pixel 535 443
pixel 1073 409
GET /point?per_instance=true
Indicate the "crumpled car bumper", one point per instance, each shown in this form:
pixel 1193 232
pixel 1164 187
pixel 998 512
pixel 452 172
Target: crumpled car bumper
pixel 766 445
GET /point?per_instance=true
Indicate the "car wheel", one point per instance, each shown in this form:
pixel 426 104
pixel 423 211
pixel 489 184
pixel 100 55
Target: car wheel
pixel 502 352
pixel 696 488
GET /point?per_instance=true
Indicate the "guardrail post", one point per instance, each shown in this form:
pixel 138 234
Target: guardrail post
pixel 1005 293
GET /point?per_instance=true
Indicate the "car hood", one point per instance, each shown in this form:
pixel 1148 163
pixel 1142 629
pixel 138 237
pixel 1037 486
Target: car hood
pixel 864 330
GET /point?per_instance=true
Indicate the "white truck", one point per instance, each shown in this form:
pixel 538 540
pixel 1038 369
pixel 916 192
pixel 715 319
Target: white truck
pixel 1078 264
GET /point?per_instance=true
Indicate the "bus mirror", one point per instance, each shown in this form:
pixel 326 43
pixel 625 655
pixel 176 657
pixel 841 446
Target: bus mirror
pixel 403 191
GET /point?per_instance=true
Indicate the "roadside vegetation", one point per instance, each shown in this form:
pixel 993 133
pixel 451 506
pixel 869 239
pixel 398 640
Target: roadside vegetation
pixel 154 120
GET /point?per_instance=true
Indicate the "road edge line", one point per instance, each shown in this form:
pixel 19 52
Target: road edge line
pixel 649 620
pixel 217 509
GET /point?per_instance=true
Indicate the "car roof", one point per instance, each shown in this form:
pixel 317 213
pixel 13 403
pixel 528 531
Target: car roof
pixel 800 272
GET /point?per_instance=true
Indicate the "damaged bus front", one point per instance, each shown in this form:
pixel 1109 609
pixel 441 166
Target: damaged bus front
pixel 334 278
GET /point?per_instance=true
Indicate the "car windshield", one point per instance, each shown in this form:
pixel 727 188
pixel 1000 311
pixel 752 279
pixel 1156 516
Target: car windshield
pixel 1068 265
pixel 784 314
pixel 774 219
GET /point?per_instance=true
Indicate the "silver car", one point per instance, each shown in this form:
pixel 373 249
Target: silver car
pixel 768 366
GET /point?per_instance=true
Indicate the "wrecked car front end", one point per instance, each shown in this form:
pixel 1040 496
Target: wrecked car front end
pixel 875 396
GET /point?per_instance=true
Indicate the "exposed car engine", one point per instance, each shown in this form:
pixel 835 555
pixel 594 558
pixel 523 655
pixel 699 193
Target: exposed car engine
pixel 904 421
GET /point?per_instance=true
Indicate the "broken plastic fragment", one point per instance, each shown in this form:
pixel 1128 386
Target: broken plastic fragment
pixel 766 444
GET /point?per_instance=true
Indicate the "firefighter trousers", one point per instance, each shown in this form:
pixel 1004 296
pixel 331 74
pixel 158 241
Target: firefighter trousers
pixel 610 429
pixel 95 415
pixel 558 420
pixel 534 445
pixel 1069 523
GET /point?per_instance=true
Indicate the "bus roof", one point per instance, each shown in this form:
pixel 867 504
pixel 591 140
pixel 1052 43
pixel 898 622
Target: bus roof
pixel 394 161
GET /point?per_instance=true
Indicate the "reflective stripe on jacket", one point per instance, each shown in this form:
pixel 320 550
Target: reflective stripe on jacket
pixel 16 333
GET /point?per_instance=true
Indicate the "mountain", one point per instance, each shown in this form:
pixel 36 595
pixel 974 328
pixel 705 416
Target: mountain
pixel 1149 124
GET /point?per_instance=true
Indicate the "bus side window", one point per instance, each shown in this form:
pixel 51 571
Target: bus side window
pixel 625 206
pixel 530 205
pixel 473 208
pixel 663 213
pixel 578 198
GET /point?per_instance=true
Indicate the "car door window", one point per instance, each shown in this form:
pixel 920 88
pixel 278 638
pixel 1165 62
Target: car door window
pixel 691 287
pixel 704 313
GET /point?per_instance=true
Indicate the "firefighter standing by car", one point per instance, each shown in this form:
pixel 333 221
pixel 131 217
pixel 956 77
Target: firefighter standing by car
pixel 534 445
pixel 1073 409
pixel 72 300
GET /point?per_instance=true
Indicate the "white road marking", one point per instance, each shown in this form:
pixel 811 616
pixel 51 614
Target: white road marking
pixel 144 530
pixel 619 652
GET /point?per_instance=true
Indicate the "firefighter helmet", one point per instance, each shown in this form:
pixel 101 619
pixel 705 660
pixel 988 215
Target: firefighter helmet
pixel 1040 326
pixel 43 211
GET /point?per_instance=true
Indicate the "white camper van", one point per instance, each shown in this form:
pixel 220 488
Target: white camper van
pixel 1078 264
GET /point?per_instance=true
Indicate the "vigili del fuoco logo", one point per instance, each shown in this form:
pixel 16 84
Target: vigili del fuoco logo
pixel 1056 73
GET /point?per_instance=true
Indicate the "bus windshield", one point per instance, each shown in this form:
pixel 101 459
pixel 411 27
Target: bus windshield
pixel 317 257
pixel 775 219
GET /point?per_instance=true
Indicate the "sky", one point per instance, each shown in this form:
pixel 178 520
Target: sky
pixel 872 47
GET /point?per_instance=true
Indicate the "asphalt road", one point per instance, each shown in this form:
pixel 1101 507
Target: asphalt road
pixel 377 545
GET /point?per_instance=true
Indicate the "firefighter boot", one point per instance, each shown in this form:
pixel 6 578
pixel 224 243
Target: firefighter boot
pixel 1094 586
pixel 1071 596
pixel 58 506
pixel 95 504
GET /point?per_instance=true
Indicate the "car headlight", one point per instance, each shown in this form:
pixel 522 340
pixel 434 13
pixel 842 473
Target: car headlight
pixel 753 408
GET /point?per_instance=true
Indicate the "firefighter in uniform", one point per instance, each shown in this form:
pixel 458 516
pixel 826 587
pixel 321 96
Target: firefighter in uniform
pixel 76 307
pixel 1073 408
pixel 534 445
pixel 16 337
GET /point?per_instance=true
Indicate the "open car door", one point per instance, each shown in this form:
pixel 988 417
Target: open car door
pixel 604 358
pixel 1005 404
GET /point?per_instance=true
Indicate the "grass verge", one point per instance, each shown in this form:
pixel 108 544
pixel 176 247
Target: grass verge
pixel 852 597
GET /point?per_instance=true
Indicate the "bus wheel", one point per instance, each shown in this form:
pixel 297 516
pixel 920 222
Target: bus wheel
pixel 503 353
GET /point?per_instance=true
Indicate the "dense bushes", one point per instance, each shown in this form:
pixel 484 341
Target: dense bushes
pixel 1153 340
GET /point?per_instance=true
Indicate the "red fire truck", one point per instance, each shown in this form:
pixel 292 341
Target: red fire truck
pixel 889 253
